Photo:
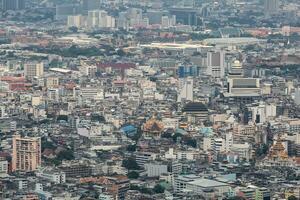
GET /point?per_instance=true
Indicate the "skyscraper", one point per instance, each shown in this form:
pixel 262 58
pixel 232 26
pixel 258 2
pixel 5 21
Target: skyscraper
pixel 216 64
pixel 64 10
pixel 271 6
pixel 100 19
pixel 77 21
pixel 26 153
pixel 12 4
pixel 90 5
pixel 186 90
pixel 187 16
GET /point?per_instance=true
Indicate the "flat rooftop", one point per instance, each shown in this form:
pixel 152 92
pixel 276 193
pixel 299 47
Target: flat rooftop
pixel 233 41
pixel 175 46
pixel 207 183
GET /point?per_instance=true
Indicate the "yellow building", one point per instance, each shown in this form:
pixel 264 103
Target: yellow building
pixel 52 82
pixel 32 70
pixel 26 153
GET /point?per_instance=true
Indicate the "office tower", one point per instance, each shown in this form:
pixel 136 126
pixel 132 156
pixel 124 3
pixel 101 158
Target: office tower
pixel 271 6
pixel 165 22
pixel 186 16
pixel 185 71
pixel 88 5
pixel 32 70
pixel 122 21
pixel 155 16
pixel 12 4
pixel 100 19
pixel 173 20
pixel 216 64
pixel 186 90
pixel 93 18
pixel 65 10
pixel 135 16
pixel 103 18
pixel 26 153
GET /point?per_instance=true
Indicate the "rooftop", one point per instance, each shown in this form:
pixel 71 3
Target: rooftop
pixel 207 183
pixel 195 107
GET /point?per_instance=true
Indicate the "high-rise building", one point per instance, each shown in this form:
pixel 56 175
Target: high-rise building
pixel 216 64
pixel 100 19
pixel 186 16
pixel 26 153
pixel 165 22
pixel 103 18
pixel 271 6
pixel 88 5
pixel 297 96
pixel 186 90
pixel 65 10
pixel 12 4
pixel 135 16
pixel 155 16
pixel 93 18
pixel 32 70
pixel 76 21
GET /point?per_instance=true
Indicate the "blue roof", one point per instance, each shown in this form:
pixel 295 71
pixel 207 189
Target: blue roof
pixel 128 128
pixel 181 131
pixel 206 131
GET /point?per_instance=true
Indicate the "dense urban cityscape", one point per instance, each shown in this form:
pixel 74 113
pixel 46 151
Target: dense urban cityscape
pixel 149 99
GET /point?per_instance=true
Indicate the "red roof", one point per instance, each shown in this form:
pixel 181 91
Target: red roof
pixel 12 79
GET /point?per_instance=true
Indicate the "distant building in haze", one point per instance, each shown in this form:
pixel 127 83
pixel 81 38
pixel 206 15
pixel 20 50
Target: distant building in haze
pixel 271 7
pixel 12 4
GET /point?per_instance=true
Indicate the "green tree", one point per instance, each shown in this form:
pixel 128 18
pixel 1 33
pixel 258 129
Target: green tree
pixel 130 164
pixel 47 145
pixel 145 190
pixel 166 135
pixel 175 136
pixel 65 155
pixel 137 136
pixel 131 148
pixel 121 53
pixel 74 29
pixel 292 197
pixel 191 142
pixel 158 189
pixel 56 162
pixel 133 175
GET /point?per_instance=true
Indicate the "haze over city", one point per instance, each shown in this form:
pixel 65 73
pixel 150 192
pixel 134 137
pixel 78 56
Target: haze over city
pixel 149 99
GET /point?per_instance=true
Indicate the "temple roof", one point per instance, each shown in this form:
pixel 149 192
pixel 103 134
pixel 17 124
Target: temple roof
pixel 195 107
pixel 153 125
